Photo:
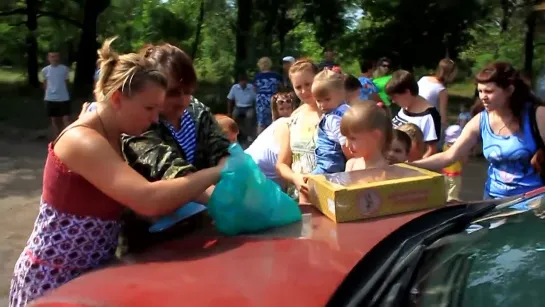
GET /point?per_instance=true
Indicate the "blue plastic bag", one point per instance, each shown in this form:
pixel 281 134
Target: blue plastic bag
pixel 244 200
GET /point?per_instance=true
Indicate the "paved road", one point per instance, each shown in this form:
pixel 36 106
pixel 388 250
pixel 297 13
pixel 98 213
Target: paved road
pixel 21 171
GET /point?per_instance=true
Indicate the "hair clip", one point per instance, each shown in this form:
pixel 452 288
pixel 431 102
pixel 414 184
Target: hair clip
pixel 149 51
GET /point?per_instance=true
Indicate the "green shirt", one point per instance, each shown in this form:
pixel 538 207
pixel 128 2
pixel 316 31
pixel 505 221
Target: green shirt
pixel 381 84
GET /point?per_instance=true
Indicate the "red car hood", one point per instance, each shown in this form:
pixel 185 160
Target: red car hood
pixel 297 265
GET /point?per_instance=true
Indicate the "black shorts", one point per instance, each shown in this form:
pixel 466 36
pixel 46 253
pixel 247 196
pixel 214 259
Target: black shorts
pixel 57 108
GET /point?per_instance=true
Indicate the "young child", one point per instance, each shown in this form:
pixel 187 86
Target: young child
pixel 453 172
pixel 331 152
pixel 282 105
pixel 368 132
pixel 403 89
pixel 57 98
pixel 229 127
pixel 400 147
pixel 417 141
pixel 352 87
pixel 465 115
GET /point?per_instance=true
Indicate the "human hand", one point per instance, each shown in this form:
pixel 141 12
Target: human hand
pixel 84 108
pixel 300 182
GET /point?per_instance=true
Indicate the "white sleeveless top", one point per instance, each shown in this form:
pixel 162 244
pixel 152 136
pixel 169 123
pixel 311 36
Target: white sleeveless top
pixel 264 150
pixel 430 90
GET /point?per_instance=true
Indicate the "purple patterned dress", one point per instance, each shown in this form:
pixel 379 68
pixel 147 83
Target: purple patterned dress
pixel 77 234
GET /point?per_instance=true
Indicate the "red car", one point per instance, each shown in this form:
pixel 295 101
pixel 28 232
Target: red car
pixel 312 263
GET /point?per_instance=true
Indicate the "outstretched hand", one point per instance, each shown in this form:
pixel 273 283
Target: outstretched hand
pixel 84 108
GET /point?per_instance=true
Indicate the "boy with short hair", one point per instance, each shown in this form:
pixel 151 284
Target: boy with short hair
pixel 229 127
pixel 403 89
pixel 399 148
pixel 57 98
pixel 369 90
pixel 352 87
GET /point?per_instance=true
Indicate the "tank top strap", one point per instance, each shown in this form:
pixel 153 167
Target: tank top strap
pixel 483 123
pixel 65 130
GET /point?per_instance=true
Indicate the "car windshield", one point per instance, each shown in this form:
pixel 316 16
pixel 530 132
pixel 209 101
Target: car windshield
pixel 499 260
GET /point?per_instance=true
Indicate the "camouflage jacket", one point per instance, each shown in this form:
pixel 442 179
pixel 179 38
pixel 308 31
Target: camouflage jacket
pixel 156 154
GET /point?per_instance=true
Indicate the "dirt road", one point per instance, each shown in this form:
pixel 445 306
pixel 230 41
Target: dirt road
pixel 21 171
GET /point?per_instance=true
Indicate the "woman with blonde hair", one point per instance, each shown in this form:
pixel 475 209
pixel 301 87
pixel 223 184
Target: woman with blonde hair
pixel 187 138
pixel 267 83
pixel 297 157
pixel 88 184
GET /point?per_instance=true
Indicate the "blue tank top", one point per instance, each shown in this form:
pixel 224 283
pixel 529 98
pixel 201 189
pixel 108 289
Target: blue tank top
pixel 510 172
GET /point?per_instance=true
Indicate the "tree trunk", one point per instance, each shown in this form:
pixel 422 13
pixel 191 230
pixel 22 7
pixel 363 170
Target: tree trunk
pixel 529 43
pixel 505 15
pixel 87 47
pixel 32 42
pixel 198 34
pixel 243 30
pixel 272 16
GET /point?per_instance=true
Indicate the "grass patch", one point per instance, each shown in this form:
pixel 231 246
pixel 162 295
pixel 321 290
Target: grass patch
pixel 22 105
pixel 462 89
pixel 460 93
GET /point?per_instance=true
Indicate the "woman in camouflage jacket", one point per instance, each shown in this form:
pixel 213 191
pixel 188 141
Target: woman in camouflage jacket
pixel 186 139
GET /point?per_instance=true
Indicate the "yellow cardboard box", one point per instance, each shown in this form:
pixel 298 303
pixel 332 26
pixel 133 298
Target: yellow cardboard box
pixel 372 193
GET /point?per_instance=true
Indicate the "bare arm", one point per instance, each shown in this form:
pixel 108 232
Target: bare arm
pixel 87 153
pixel 283 165
pixel 431 149
pixel 347 153
pixel 540 119
pixel 443 105
pixel 467 140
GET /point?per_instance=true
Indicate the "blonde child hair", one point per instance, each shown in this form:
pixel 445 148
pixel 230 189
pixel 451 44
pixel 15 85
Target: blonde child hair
pixel 285 97
pixel 417 137
pixel 264 64
pixel 229 126
pixel 366 117
pixel 326 81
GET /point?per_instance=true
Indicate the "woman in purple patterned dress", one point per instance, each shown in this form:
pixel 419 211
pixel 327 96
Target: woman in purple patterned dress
pixel 87 183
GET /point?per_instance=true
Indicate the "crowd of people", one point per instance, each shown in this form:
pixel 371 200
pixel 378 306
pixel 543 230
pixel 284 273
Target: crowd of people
pixel 146 145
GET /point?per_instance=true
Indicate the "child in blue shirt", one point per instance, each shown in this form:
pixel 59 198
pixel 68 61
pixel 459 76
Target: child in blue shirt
pixel 331 151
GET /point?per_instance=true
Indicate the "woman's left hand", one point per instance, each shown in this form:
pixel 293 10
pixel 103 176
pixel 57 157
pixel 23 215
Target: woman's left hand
pixel 84 108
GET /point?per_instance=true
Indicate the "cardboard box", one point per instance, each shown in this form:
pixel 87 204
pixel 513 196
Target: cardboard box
pixel 372 193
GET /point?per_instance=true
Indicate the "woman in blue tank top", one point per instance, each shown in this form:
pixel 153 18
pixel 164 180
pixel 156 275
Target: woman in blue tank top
pixel 505 129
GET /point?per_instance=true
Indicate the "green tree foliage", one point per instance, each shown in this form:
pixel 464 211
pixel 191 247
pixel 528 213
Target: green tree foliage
pixel 414 33
pixel 417 32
